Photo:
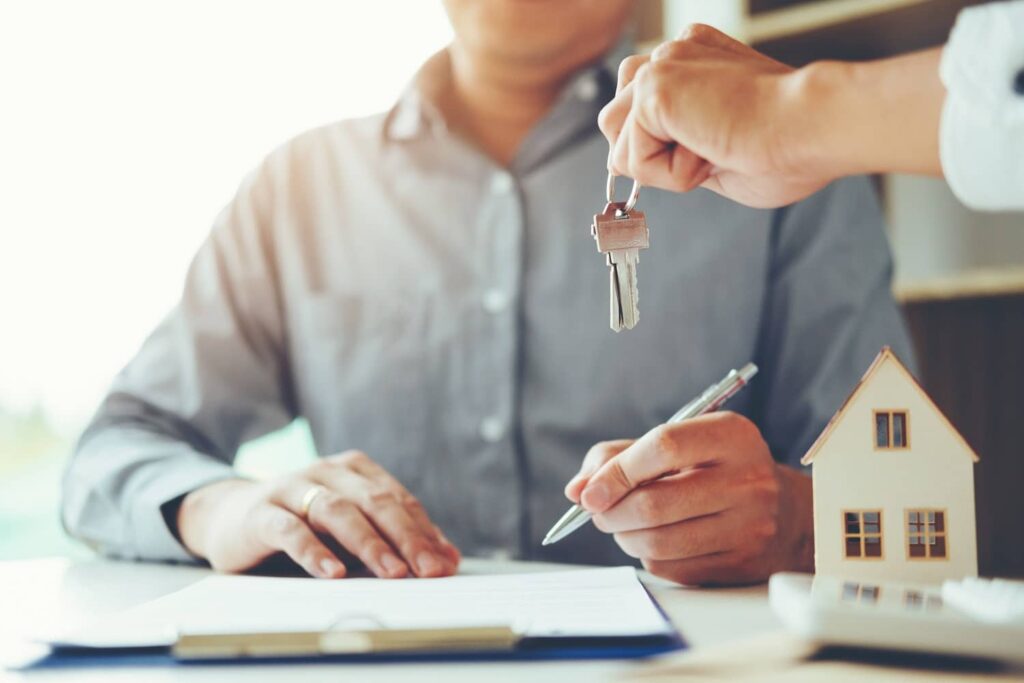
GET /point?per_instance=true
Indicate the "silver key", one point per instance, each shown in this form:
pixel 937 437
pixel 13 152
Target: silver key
pixel 620 234
pixel 629 297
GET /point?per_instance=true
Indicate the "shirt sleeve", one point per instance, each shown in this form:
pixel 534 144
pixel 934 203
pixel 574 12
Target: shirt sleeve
pixel 830 310
pixel 982 130
pixel 210 377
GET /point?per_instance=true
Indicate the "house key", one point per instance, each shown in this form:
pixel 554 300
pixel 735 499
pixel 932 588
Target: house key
pixel 620 232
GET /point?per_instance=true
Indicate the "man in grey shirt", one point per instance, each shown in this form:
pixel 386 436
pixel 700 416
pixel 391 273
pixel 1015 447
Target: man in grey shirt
pixel 422 286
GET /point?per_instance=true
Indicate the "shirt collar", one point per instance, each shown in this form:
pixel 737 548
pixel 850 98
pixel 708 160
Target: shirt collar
pixel 416 113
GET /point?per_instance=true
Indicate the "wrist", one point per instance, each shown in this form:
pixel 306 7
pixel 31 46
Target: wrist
pixel 797 519
pixel 869 117
pixel 202 505
pixel 822 121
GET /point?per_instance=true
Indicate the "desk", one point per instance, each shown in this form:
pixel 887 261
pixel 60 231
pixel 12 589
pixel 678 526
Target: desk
pixel 38 595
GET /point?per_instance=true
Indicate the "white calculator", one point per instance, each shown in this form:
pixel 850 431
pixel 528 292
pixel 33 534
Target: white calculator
pixel 982 618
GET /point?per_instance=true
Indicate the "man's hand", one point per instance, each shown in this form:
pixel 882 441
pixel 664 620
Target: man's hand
pixel 362 510
pixel 706 110
pixel 700 502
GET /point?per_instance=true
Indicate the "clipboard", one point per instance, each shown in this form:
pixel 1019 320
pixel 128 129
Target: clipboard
pixel 376 623
pixel 383 646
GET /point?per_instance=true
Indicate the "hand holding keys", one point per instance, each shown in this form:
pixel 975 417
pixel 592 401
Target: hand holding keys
pixel 620 233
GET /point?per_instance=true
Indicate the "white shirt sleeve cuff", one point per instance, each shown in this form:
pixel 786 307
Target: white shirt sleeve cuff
pixel 982 130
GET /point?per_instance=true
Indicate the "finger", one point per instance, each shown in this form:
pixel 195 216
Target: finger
pixel 384 486
pixel 682 48
pixel 671 104
pixel 644 150
pixel 453 551
pixel 413 507
pixel 613 115
pixel 668 449
pixel 689 495
pixel 598 455
pixel 421 549
pixel 690 538
pixel 332 514
pixel 706 570
pixel 627 70
pixel 709 36
pixel 618 158
pixel 280 529
pixel 655 163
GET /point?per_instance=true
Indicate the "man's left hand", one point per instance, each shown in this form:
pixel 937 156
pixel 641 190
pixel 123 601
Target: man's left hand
pixel 700 502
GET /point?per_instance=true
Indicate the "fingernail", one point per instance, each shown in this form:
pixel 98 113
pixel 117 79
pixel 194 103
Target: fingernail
pixel 329 567
pixel 392 565
pixel 428 564
pixel 596 496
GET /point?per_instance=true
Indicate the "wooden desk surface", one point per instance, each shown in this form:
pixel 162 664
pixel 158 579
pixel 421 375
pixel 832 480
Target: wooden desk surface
pixel 39 595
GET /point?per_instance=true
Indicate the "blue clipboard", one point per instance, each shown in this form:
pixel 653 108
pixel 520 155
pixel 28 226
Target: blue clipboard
pixel 528 649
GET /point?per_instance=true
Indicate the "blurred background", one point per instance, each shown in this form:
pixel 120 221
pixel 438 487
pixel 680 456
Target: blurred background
pixel 126 126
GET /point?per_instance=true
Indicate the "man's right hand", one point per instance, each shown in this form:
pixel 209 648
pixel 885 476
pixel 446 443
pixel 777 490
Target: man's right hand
pixel 236 524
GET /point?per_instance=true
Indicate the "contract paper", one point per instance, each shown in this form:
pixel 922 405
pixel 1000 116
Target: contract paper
pixel 573 603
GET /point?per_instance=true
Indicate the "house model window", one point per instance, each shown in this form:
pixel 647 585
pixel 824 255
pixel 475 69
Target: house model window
pixel 862 531
pixel 926 534
pixel 891 429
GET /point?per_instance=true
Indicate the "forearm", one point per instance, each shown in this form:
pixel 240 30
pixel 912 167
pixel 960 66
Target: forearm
pixel 871 117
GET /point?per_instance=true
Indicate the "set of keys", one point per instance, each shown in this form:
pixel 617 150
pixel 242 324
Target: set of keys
pixel 621 232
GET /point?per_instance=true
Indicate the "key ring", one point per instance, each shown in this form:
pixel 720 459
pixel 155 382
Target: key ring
pixel 634 194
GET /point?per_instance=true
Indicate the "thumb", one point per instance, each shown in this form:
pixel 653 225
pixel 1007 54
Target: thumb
pixel 596 457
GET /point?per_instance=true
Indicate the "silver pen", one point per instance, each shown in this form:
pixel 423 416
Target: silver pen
pixel 708 402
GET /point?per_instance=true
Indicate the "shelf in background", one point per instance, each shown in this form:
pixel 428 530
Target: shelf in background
pixel 970 284
pixel 802 17
pixel 895 27
pixel 800 31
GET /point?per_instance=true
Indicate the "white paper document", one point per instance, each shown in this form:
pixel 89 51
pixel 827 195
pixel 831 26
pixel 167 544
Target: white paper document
pixel 575 603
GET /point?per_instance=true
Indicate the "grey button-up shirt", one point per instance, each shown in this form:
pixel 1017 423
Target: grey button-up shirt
pixel 389 283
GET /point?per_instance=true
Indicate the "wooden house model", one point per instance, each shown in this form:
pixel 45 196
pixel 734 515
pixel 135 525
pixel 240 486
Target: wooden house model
pixel 893 485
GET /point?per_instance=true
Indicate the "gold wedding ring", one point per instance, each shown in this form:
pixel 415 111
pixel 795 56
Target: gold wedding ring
pixel 307 500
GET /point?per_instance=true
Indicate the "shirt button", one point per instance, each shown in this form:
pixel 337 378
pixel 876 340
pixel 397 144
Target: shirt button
pixel 495 301
pixel 586 89
pixel 501 183
pixel 1018 82
pixel 492 429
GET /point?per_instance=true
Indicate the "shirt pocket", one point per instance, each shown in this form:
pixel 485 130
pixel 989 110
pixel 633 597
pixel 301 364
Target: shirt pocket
pixel 370 374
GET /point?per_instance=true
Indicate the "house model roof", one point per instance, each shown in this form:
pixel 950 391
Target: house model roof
pixel 884 356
